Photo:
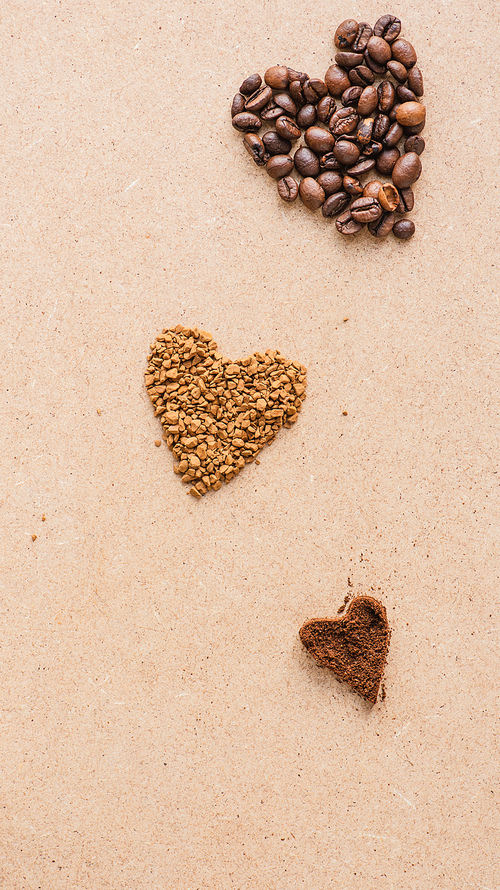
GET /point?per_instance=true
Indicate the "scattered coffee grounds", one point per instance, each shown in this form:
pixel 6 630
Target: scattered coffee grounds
pixel 354 646
pixel 218 414
pixel 361 124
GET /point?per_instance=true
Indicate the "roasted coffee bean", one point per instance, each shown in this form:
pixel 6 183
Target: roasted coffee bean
pixel 376 67
pixel 386 160
pixel 279 166
pixel 297 75
pixel 275 145
pixel 404 94
pixel 386 96
pixel 393 135
pixel 361 76
pixel 414 131
pixel 336 80
pixel 416 144
pixel 406 170
pixel 237 105
pixel 364 131
pixel 410 114
pixel 311 193
pixel 404 229
pixel 348 60
pixel 326 107
pixel 365 210
pixel 383 225
pixel 367 101
pixel 250 84
pixel 351 96
pixel 379 49
pixel 388 27
pixel 406 201
pixel 321 141
pixel 258 100
pixel 363 35
pixel 271 112
pixel 288 189
pixel 397 70
pixel 256 148
pixel 346 225
pixel 335 204
pixel 380 127
pixel 388 196
pixel 344 120
pixel 247 122
pixel 306 162
pixel 306 117
pixel 352 186
pixel 346 152
pixel 330 181
pixel 329 162
pixel 403 51
pixel 285 101
pixel 277 77
pixel 345 35
pixel 314 89
pixel 287 128
pixel 416 81
pixel 297 93
pixel 372 150
pixel 372 189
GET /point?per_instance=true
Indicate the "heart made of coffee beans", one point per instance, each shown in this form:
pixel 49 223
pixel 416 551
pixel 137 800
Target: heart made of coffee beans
pixel 354 646
pixel 217 414
pixel 361 157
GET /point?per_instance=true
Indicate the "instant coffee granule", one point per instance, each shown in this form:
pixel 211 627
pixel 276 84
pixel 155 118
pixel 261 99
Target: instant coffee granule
pixel 218 414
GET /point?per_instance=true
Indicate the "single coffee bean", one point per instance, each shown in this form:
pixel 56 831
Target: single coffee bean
pixel 335 204
pixel 372 149
pixel 397 70
pixel 365 210
pixel 288 189
pixel 376 67
pixel 388 196
pixel 361 76
pixel 297 75
pixel 329 162
pixel 404 94
pixel 379 49
pixel 256 148
pixel 343 121
pixel 394 111
pixel 306 117
pixel 259 99
pixel 410 114
pixel 285 101
pixel 352 186
pixel 306 162
pixel 406 170
pixel 386 96
pixel 237 104
pixel 415 143
pixel 348 60
pixel 336 80
pixel 351 95
pixel 364 165
pixel 311 193
pixel 345 35
pixel 388 27
pixel 330 182
pixel 416 81
pixel 363 35
pixel 271 112
pixel 393 135
pixel 406 201
pixel 297 93
pixel 372 189
pixel 326 107
pixel 380 126
pixel 279 166
pixel 287 128
pixel 403 51
pixel 346 152
pixel 365 130
pixel 383 225
pixel 247 122
pixel 414 131
pixel 367 101
pixel 250 84
pixel 277 77
pixel 386 160
pixel 347 225
pixel 275 145
pixel 314 89
pixel 404 229
pixel 319 140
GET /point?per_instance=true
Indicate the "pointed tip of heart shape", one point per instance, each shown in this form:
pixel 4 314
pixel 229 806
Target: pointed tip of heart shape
pixel 354 645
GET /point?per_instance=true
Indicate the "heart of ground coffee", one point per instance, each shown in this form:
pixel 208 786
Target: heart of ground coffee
pixel 218 414
pixel 353 646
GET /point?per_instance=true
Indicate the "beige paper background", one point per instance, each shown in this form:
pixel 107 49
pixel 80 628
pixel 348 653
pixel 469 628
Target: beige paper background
pixel 161 724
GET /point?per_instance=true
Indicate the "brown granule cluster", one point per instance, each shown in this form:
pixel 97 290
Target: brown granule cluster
pixel 218 414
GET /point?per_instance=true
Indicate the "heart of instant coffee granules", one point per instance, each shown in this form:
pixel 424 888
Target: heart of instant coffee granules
pixel 218 414
pixel 361 125
pixel 354 646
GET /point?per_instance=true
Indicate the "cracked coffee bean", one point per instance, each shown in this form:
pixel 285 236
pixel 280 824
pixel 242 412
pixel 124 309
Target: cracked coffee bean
pixel 288 189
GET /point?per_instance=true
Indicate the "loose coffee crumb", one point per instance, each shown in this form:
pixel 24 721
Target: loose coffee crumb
pixel 34 537
pixel 157 442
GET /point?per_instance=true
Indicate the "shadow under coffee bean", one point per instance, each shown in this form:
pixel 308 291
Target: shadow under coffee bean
pixel 361 126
